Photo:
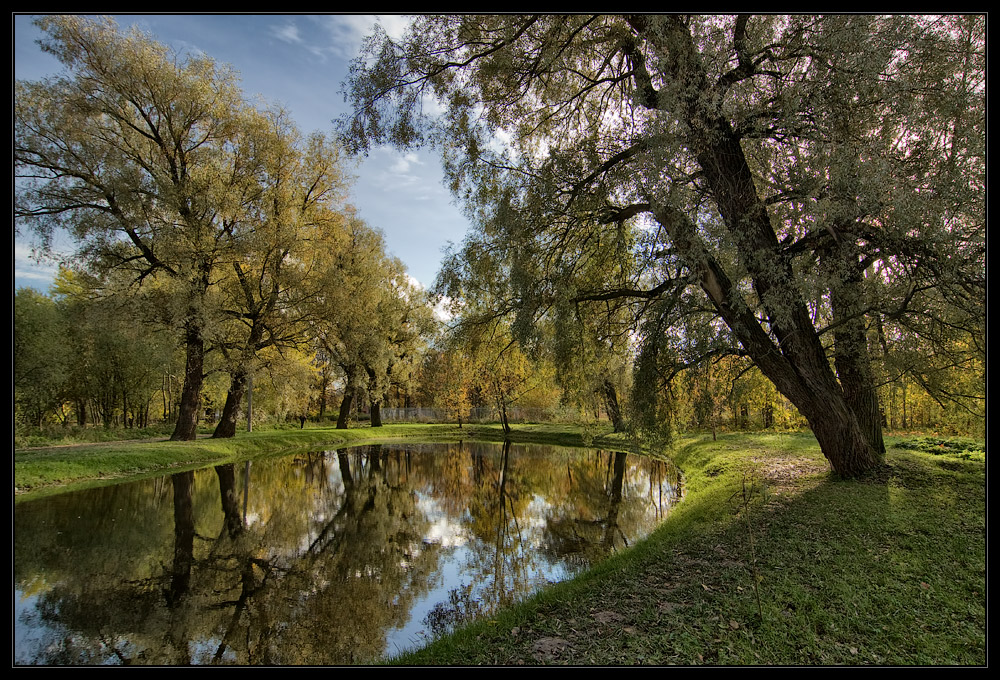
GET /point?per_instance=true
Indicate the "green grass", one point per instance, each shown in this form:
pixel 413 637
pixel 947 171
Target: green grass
pixel 885 571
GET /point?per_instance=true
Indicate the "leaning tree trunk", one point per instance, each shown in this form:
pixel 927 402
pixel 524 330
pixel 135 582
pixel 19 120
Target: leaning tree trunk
pixel 234 398
pixel 186 428
pixel 611 405
pixel 841 437
pixel 790 354
pixel 345 406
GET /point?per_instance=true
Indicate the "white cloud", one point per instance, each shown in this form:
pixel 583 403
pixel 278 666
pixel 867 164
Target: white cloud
pixel 345 32
pixel 442 309
pixel 31 269
pixel 394 24
pixel 402 164
pixel 397 170
pixel 288 33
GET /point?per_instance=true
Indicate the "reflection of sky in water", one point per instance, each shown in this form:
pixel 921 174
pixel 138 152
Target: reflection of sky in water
pixel 435 542
pixel 444 531
pixel 37 635
pixel 454 568
pixel 415 632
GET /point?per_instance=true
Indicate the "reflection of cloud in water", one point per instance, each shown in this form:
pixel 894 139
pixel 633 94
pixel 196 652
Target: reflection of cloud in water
pixel 419 527
pixel 537 512
pixel 442 531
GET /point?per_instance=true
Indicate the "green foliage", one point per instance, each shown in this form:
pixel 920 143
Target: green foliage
pixel 169 178
pixel 792 180
pixel 122 352
pixel 208 215
pixel 42 359
pixel 652 403
pixel 369 321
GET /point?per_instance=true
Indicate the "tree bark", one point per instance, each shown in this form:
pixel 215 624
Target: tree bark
pixel 852 357
pixel 345 406
pixel 186 428
pixel 841 438
pixel 374 402
pixel 611 405
pixel 234 398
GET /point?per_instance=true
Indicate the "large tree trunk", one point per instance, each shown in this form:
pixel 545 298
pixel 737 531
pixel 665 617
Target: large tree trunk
pixel 611 405
pixel 790 353
pixel 187 416
pixel 234 398
pixel 374 402
pixel 345 405
pixel 840 437
pixel 852 357
pixel 797 366
pixel 240 377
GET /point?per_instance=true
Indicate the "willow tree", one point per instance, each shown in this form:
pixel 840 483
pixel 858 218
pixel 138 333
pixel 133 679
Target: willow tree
pixel 149 159
pixel 807 175
pixel 346 319
pixel 293 229
pixel 397 335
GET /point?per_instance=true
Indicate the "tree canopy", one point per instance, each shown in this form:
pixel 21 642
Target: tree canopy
pixel 812 187
pixel 163 170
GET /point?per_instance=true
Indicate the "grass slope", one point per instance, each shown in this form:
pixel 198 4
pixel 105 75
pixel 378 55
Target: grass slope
pixel 887 571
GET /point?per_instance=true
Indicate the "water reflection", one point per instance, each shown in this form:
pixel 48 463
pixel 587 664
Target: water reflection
pixel 319 558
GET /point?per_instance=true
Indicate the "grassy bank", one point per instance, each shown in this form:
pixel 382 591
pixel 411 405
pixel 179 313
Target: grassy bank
pixel 768 560
pixel 54 469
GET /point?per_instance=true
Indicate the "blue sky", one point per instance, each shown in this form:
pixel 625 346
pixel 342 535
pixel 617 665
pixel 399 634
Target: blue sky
pixel 298 61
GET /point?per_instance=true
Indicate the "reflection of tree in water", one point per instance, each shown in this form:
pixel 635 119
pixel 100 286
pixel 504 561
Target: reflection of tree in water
pixel 599 502
pixel 462 605
pixel 231 596
pixel 605 504
pixel 332 603
pixel 313 562
pixel 501 565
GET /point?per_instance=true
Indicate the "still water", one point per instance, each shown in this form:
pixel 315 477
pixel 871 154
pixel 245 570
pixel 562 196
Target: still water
pixel 328 557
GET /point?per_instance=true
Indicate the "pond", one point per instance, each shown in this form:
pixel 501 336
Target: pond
pixel 328 557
